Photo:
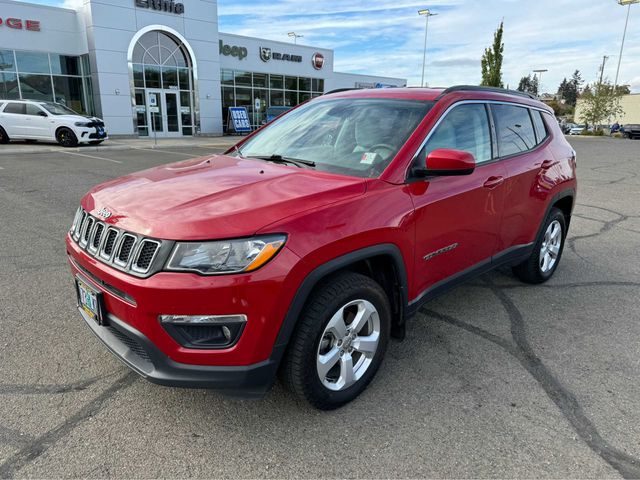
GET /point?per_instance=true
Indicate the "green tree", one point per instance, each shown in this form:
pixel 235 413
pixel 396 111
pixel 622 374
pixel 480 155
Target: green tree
pixel 529 85
pixel 569 90
pixel 599 103
pixel 492 61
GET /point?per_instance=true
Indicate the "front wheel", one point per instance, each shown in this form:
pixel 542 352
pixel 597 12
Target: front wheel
pixel 547 251
pixel 66 138
pixel 339 342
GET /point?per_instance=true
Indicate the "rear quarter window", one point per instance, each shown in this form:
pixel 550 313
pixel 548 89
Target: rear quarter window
pixel 538 123
pixel 515 130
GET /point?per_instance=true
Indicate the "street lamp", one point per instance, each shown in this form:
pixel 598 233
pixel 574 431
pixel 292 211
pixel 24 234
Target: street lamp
pixel 624 35
pixel 296 36
pixel 540 72
pixel 426 13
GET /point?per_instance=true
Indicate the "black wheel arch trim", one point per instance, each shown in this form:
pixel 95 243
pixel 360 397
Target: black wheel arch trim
pixel 570 192
pixel 333 266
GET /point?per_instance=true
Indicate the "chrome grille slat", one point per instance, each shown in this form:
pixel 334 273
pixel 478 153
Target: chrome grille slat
pixel 113 246
pixel 125 247
pixel 87 227
pixel 146 254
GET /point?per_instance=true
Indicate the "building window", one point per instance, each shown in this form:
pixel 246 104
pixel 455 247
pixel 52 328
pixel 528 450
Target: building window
pixel 47 76
pixel 259 91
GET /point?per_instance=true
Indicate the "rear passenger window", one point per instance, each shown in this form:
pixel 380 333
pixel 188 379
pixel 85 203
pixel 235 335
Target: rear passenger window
pixel 514 128
pixel 466 127
pixel 17 108
pixel 538 123
pixel 33 110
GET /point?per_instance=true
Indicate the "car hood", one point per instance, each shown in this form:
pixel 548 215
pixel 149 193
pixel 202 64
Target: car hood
pixel 215 197
pixel 77 118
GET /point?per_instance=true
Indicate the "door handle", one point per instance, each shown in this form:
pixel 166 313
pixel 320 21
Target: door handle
pixel 493 182
pixel 547 164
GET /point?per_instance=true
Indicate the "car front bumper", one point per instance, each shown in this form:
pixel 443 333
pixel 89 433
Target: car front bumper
pixel 137 352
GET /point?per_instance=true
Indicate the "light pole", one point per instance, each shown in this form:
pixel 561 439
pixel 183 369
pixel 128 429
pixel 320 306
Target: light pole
pixel 295 37
pixel 624 35
pixel 426 13
pixel 540 72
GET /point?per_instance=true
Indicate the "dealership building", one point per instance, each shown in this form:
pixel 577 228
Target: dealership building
pixel 157 67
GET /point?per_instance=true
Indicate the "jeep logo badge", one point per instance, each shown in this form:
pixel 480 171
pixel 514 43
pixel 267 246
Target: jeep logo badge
pixel 104 213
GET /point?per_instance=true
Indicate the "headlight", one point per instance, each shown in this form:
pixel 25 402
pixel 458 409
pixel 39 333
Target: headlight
pixel 82 124
pixel 225 256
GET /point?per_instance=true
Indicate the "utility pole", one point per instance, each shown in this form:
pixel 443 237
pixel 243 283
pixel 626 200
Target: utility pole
pixel 604 62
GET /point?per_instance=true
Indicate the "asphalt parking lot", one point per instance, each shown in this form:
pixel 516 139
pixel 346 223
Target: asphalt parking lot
pixel 495 379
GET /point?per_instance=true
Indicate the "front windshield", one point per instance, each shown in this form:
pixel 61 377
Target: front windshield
pixel 352 136
pixel 57 109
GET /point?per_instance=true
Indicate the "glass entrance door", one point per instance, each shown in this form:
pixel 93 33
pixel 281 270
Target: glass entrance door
pixel 164 113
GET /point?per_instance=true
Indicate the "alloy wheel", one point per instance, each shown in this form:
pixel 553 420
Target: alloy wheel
pixel 348 345
pixel 551 244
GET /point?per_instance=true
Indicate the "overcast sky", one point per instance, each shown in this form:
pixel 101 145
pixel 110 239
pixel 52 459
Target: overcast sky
pixel 385 37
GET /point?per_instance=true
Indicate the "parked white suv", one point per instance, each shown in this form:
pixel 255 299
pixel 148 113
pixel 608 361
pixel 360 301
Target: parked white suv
pixel 48 121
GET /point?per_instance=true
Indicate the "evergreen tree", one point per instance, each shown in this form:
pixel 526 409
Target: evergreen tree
pixel 492 61
pixel 529 85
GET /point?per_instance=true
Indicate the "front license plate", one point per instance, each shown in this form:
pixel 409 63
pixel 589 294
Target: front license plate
pixel 89 300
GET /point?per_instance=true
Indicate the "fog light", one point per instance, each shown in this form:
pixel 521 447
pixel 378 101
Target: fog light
pixel 204 331
pixel 226 332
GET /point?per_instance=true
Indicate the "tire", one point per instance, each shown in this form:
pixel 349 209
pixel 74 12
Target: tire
pixel 335 300
pixel 66 138
pixel 547 251
pixel 4 138
pixel 96 142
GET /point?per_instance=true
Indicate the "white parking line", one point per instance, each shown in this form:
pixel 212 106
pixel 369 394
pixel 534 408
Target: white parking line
pixel 91 156
pixel 189 155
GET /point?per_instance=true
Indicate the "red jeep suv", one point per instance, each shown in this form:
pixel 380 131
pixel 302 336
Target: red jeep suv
pixel 304 248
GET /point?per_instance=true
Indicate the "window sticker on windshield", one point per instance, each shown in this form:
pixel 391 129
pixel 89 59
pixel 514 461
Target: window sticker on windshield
pixel 368 158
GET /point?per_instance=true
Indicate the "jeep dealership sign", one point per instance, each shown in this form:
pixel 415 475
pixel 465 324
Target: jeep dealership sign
pixel 233 51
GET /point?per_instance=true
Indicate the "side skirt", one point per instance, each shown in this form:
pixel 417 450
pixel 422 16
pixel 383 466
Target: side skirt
pixel 511 256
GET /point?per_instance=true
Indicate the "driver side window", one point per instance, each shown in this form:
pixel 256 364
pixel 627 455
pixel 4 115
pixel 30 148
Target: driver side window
pixel 466 128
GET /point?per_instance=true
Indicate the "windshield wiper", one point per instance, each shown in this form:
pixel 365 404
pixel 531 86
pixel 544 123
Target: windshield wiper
pixel 280 159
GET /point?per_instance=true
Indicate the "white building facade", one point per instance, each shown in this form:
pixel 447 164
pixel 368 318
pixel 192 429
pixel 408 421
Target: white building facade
pixel 157 67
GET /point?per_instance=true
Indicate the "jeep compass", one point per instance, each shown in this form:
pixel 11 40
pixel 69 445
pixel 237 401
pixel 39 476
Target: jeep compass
pixel 304 248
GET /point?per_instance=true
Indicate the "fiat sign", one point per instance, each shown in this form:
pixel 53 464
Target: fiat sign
pixel 318 61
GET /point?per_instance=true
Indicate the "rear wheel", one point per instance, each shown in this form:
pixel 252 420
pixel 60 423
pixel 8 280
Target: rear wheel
pixel 66 138
pixel 339 342
pixel 4 138
pixel 544 259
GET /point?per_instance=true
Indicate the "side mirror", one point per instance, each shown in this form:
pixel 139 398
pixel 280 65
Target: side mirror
pixel 447 162
pixel 42 114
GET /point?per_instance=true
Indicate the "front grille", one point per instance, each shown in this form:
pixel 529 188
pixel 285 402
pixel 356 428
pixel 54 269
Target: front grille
pixel 97 236
pixel 124 251
pixel 109 243
pixel 146 255
pixel 118 248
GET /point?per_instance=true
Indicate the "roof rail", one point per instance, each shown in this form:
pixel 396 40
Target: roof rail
pixel 474 88
pixel 340 90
